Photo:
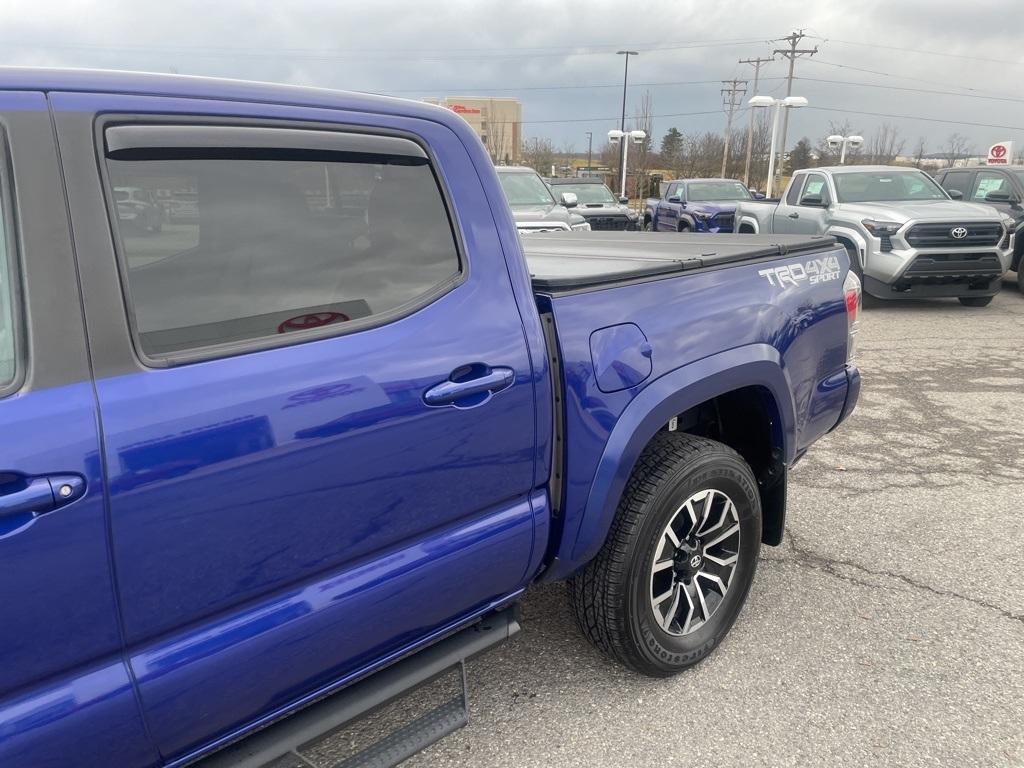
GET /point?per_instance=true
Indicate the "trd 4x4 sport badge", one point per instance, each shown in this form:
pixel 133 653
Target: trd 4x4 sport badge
pixel 813 271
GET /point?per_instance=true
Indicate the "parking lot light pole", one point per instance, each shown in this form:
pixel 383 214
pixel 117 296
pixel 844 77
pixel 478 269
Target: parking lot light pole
pixel 590 146
pixel 853 141
pixel 790 102
pixel 622 125
pixel 624 137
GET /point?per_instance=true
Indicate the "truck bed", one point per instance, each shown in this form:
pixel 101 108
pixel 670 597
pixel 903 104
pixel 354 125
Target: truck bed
pixel 561 262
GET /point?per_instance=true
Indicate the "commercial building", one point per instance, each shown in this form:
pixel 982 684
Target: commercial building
pixel 497 121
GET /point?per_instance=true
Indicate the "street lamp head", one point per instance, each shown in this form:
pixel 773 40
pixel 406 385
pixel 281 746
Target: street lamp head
pixel 855 141
pixel 835 141
pixel 761 101
pixel 615 135
pixel 794 101
pixel 627 53
pixel 637 136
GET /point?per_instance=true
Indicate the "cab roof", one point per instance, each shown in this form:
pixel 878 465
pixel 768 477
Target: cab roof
pixel 188 86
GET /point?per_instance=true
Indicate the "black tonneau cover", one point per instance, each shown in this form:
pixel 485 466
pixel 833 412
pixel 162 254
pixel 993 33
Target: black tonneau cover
pixel 572 261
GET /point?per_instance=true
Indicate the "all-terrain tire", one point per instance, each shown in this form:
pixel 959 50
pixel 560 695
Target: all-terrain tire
pixel 611 598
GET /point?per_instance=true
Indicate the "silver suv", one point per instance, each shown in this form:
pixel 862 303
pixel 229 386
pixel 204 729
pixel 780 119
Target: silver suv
pixel 906 237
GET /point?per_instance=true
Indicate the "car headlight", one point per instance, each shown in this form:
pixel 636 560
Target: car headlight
pixel 881 228
pixel 1008 223
pixel 584 227
pixel 699 216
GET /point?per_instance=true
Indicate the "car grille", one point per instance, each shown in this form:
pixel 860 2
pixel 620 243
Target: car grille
pixel 723 221
pixel 940 235
pixel 608 223
pixel 939 266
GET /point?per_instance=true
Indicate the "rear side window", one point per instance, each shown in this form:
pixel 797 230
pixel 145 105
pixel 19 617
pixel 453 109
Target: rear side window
pixel 228 250
pixel 7 331
pixel 794 190
pixel 958 180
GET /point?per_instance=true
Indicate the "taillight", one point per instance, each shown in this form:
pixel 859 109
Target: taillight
pixel 852 296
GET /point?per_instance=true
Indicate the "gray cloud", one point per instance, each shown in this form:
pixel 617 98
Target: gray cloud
pixel 455 48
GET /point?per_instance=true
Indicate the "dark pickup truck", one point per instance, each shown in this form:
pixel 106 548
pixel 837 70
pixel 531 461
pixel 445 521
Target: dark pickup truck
pixel 285 460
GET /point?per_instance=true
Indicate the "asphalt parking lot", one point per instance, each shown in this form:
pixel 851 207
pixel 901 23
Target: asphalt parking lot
pixel 889 628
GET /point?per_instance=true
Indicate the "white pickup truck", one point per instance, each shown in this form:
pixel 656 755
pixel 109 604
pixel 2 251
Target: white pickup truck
pixel 906 236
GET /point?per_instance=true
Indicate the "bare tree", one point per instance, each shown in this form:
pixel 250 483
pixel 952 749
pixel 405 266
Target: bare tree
pixel 539 154
pixel 920 152
pixel 884 145
pixel 568 153
pixel 496 141
pixel 641 155
pixel 829 156
pixel 957 148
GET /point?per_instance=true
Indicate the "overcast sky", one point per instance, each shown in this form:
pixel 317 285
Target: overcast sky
pixel 542 53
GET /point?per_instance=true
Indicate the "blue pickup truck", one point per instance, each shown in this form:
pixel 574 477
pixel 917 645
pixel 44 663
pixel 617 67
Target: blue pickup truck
pixel 269 468
pixel 695 205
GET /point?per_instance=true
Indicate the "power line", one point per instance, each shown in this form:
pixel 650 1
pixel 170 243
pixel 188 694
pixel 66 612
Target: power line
pixel 898 77
pixel 915 117
pixel 312 54
pixel 914 90
pixel 666 83
pixel 901 49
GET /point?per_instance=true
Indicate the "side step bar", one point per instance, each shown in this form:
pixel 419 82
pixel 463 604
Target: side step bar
pixel 387 705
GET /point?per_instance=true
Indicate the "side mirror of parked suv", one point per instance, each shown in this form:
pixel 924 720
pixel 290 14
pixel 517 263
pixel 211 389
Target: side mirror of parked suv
pixel 815 201
pixel 998 196
pixel 569 199
pixel 956 194
pixel 623 200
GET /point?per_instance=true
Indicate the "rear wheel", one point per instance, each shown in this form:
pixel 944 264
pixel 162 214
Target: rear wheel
pixel 975 301
pixel 678 562
pixel 648 225
pixel 684 227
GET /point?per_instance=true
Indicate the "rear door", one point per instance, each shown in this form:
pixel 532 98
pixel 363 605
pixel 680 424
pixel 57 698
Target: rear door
pixel 668 213
pixel 317 398
pixel 808 215
pixel 65 693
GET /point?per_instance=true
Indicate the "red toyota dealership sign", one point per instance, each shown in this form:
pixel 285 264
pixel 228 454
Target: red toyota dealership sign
pixel 461 110
pixel 1001 153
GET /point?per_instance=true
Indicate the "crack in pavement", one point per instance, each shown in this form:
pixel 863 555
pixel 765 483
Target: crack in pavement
pixel 806 557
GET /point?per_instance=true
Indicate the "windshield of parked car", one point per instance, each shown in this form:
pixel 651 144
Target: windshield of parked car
pixel 713 191
pixel 886 186
pixel 525 189
pixel 587 194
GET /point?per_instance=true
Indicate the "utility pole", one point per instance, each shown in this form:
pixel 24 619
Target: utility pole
pixel 750 128
pixel 590 146
pixel 733 91
pixel 793 38
pixel 622 127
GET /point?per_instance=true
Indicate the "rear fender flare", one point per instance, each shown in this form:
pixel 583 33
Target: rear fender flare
pixel 650 411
